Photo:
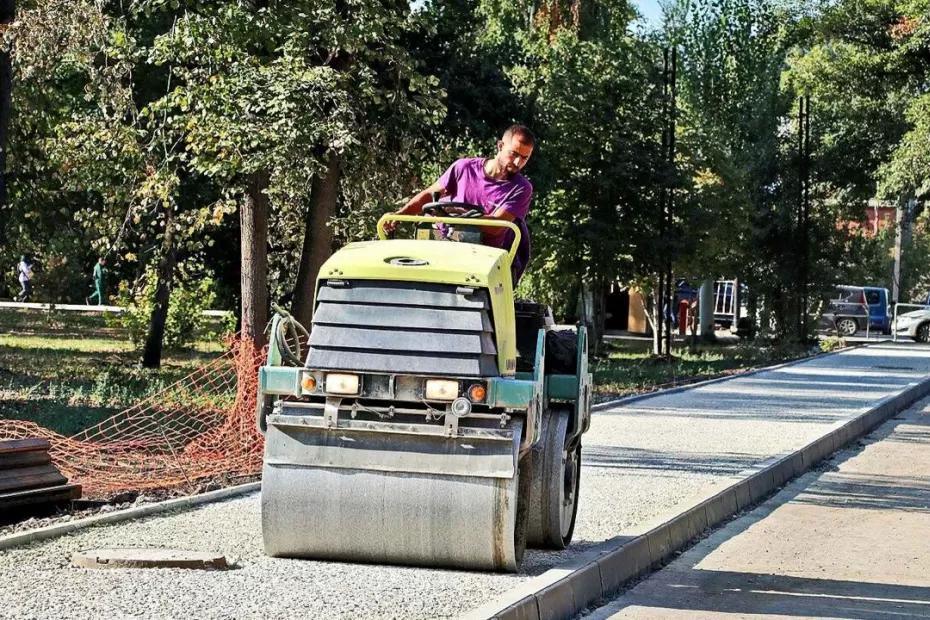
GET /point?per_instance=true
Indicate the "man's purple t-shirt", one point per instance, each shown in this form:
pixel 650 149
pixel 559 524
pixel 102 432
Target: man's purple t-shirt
pixel 465 181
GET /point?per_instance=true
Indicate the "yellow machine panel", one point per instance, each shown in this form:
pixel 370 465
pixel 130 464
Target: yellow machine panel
pixel 441 262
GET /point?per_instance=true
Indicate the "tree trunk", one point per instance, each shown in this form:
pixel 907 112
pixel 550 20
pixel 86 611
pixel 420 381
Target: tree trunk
pixel 151 355
pixel 253 222
pixel 7 14
pixel 318 238
pixel 706 303
pixel 657 319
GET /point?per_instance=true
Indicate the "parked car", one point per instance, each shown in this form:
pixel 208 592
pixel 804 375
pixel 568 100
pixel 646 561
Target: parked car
pixel 854 308
pixel 880 315
pixel 915 324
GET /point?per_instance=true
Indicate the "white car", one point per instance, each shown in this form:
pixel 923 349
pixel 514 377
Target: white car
pixel 915 324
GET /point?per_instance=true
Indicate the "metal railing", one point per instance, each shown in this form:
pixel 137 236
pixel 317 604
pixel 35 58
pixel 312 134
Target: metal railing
pixel 837 306
pixel 894 320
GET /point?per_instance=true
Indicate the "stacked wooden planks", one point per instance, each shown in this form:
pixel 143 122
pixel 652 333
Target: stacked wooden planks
pixel 29 479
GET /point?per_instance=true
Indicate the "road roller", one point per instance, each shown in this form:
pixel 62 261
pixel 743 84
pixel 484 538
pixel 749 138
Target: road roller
pixel 425 418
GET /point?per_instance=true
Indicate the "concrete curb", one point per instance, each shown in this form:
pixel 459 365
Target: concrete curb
pixel 60 529
pixel 566 591
pixel 626 400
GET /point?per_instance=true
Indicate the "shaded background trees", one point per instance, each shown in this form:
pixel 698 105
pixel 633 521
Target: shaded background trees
pixel 165 134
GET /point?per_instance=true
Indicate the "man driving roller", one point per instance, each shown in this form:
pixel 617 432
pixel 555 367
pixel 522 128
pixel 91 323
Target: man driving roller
pixel 496 186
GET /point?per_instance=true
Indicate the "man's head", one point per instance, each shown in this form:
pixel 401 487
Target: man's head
pixel 102 260
pixel 514 149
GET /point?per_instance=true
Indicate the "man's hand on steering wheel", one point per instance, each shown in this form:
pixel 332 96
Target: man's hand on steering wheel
pixel 452 209
pixel 442 209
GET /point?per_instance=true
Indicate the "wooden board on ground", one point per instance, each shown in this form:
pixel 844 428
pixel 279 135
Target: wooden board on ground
pixel 60 494
pixel 28 478
pixel 29 444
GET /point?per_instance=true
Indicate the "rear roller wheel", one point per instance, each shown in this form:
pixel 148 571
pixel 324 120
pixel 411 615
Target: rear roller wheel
pixel 556 473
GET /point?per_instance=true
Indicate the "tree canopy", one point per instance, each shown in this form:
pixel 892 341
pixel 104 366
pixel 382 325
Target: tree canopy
pixel 141 129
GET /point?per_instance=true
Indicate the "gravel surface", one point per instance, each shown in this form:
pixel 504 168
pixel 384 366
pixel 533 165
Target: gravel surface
pixel 639 463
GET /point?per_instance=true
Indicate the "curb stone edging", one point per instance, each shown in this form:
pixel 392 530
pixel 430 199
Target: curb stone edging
pixel 565 591
pixel 60 529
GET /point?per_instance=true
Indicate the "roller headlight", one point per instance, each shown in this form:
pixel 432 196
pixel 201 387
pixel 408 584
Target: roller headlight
pixel 441 389
pixel 338 383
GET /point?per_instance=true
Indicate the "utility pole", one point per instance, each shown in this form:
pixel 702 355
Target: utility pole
pixel 670 198
pixel 903 215
pixel 665 289
pixel 803 214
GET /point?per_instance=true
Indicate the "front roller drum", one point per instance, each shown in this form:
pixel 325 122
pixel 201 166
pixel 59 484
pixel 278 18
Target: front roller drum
pixel 373 514
pixel 555 470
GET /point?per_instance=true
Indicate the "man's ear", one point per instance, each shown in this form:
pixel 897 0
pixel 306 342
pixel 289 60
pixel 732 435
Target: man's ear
pixel 500 146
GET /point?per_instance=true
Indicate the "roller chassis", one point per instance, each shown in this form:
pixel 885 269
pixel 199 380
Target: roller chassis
pixel 450 490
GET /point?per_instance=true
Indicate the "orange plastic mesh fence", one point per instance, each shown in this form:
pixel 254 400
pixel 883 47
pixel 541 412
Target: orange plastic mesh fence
pixel 198 429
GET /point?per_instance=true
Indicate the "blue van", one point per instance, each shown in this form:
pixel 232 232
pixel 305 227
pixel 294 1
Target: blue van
pixel 846 312
pixel 879 308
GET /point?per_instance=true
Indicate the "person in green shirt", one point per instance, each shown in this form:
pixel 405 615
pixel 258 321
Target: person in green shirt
pixel 100 274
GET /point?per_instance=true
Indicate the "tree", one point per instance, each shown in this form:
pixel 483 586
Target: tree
pixel 866 67
pixel 266 97
pixel 738 149
pixel 590 90
pixel 7 14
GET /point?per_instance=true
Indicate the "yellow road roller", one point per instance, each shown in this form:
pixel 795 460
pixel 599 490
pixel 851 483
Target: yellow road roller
pixel 427 419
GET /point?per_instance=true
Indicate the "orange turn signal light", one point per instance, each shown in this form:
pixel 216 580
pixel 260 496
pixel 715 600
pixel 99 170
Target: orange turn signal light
pixel 308 383
pixel 477 393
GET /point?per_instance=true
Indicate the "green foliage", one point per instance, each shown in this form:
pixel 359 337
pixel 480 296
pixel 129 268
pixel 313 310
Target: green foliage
pixel 907 171
pixel 865 65
pixel 831 343
pixel 135 118
pixel 590 92
pixel 185 324
pixel 737 146
pixel 133 115
pixel 68 371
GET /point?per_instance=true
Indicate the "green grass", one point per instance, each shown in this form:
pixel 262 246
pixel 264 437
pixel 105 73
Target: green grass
pixel 628 366
pixel 70 371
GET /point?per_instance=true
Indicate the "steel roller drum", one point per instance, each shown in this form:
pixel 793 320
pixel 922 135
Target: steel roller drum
pixel 387 493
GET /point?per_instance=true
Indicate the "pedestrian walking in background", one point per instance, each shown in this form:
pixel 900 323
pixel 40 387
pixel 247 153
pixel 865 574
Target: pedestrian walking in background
pixel 25 278
pixel 100 275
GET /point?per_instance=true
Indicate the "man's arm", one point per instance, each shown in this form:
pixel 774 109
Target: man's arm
pixel 415 204
pixel 503 213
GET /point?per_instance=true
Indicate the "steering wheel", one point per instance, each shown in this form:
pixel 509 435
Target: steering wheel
pixel 452 209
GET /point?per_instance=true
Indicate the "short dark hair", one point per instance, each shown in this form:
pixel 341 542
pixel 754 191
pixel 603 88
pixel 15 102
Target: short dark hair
pixel 523 131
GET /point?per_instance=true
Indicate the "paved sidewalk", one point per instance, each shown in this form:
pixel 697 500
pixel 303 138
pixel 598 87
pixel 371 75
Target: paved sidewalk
pixel 850 542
